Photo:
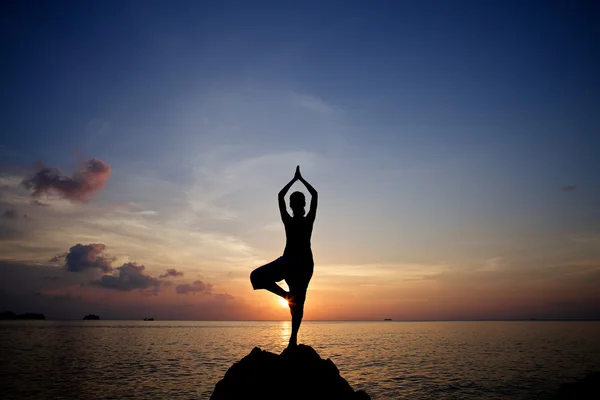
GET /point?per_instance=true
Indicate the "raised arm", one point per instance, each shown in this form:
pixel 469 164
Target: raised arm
pixel 314 196
pixel 281 198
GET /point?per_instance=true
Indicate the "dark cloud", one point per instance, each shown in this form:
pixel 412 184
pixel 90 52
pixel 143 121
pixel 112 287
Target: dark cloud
pixel 569 188
pixel 23 289
pixel 12 228
pixel 78 188
pixel 223 297
pixel 51 305
pixel 196 287
pixel 11 213
pixel 36 202
pixel 129 276
pixel 75 306
pixel 17 277
pixel 86 256
pixel 58 258
pixel 171 272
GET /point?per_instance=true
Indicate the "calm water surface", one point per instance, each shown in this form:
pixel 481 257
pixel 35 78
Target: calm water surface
pixel 390 360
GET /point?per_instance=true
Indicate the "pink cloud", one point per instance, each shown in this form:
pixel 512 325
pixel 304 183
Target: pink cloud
pixel 78 188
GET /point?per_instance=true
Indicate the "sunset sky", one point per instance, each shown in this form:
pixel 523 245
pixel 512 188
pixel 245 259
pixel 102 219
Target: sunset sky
pixel 455 147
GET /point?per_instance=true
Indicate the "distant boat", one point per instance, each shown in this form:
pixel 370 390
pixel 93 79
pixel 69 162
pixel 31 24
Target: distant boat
pixel 91 317
pixel 149 319
pixel 387 319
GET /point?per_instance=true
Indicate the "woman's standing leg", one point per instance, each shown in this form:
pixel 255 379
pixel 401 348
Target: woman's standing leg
pixel 298 284
pixel 296 302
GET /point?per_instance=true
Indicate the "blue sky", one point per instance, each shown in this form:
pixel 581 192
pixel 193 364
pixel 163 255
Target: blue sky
pixel 453 145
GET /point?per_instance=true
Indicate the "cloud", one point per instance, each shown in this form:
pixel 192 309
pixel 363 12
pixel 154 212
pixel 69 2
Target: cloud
pixel 78 188
pixel 312 103
pixel 20 278
pixel 129 276
pixel 86 256
pixel 569 188
pixel 196 287
pixel 11 213
pixel 36 202
pixel 10 181
pixel 171 272
pixel 384 273
pixel 492 264
pixel 224 297
pixel 23 288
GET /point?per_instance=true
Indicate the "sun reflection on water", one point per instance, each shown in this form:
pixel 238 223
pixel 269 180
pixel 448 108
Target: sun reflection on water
pixel 285 329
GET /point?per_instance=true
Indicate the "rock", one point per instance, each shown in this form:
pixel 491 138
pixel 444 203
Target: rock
pixel 584 389
pixel 11 315
pixel 92 317
pixel 298 373
pixel 8 315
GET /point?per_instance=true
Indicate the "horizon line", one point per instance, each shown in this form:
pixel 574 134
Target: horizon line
pixel 337 320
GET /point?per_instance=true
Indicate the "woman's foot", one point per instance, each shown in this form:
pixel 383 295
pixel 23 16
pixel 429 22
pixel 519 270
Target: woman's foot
pixel 293 342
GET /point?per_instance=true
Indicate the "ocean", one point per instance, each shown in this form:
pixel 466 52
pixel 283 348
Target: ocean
pixel 389 360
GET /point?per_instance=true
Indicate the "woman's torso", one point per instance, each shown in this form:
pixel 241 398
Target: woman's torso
pixel 297 233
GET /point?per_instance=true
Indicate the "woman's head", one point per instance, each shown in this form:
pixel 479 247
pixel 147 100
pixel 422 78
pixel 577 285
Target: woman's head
pixel 297 203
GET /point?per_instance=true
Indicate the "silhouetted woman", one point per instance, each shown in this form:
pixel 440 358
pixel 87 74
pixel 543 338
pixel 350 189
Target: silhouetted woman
pixel 296 264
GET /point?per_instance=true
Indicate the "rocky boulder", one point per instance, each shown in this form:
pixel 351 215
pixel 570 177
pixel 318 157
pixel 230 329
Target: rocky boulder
pixel 298 373
pixel 584 389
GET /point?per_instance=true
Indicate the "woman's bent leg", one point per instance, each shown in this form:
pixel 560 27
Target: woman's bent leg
pixel 265 277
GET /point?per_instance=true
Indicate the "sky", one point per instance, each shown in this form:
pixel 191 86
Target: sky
pixel 454 146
